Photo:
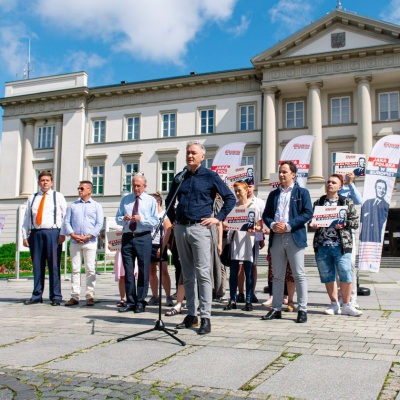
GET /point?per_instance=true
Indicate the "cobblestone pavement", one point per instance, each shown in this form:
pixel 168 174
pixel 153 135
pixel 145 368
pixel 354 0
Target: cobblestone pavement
pixel 72 353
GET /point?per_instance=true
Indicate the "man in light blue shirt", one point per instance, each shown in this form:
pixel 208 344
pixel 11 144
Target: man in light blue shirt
pixel 138 215
pixel 83 222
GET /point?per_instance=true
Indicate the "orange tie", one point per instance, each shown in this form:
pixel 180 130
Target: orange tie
pixel 40 210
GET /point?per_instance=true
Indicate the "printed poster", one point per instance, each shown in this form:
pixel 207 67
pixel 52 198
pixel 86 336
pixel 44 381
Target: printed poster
pixel 241 219
pixel 329 216
pixel 380 177
pixel 343 163
pixel 243 173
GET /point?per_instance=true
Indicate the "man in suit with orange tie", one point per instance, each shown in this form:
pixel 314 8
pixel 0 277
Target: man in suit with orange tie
pixel 41 233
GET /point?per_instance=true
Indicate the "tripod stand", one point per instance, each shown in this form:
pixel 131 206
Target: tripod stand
pixel 159 326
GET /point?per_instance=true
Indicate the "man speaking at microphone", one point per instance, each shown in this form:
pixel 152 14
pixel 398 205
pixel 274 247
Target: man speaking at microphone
pixel 193 217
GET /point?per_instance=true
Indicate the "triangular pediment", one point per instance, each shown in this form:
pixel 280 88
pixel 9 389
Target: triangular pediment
pixel 337 32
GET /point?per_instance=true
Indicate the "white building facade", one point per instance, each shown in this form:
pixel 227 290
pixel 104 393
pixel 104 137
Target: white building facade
pixel 337 79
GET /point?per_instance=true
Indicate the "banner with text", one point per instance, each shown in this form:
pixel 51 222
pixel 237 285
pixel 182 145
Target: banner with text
pixel 329 216
pixel 241 218
pixel 343 163
pixel 227 157
pixel 244 173
pixel 380 177
pixel 299 151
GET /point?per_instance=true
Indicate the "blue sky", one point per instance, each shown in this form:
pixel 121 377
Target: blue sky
pixel 135 40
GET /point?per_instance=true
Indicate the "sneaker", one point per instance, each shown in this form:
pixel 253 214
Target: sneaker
pixel 333 309
pixel 170 301
pixel 349 309
pixel 222 299
pixel 240 298
pixel 355 304
pixel 153 301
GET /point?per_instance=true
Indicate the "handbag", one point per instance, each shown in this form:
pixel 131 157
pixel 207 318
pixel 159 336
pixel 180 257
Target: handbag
pixel 226 253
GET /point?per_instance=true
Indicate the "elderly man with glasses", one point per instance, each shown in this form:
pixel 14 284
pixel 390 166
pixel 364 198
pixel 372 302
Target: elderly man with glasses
pixel 83 223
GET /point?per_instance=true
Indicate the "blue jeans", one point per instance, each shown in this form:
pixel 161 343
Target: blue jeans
pixel 330 260
pixel 233 279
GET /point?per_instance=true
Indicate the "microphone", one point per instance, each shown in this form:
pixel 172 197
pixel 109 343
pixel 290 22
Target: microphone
pixel 181 176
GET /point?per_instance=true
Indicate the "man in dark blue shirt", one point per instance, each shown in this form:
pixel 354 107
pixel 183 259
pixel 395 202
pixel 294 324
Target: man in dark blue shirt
pixel 193 217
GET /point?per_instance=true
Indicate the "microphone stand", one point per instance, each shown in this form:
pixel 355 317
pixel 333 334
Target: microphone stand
pixel 160 326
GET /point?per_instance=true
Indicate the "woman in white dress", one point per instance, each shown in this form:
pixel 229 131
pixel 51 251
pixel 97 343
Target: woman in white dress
pixel 242 248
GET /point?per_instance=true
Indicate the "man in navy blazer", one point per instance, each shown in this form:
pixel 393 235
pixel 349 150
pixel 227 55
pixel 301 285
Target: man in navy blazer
pixel 286 213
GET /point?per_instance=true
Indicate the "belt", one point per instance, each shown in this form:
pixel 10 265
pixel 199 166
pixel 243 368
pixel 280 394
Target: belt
pixel 137 234
pixel 188 222
pixel 44 229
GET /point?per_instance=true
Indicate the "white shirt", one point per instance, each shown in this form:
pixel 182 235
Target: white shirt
pixel 282 211
pixel 48 212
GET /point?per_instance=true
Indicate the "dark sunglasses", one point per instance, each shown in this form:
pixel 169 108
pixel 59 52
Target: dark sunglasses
pixel 81 188
pixel 333 182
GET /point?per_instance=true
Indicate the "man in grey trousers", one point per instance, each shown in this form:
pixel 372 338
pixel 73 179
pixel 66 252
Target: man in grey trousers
pixel 193 238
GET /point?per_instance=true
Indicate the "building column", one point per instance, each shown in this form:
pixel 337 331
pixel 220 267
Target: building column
pixel 314 120
pixel 364 112
pixel 27 170
pixel 57 152
pixel 269 162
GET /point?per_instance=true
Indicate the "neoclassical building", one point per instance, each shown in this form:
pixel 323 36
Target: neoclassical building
pixel 337 79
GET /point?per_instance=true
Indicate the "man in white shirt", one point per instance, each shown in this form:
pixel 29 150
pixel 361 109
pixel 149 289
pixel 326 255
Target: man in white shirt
pixel 41 233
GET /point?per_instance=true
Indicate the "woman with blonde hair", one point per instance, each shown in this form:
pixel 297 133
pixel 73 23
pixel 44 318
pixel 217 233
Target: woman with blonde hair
pixel 242 244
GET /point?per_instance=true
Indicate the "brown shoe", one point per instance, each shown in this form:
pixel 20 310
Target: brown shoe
pixel 71 302
pixel 90 302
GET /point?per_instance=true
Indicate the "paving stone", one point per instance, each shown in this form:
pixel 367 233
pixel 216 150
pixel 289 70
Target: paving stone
pixel 367 377
pixel 243 365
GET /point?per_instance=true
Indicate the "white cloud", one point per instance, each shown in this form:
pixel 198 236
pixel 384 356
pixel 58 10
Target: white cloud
pixel 14 49
pixel 156 30
pixel 291 15
pixel 240 29
pixel 392 12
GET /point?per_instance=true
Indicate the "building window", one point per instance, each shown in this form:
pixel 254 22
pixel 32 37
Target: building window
pixel 247 117
pixel 167 174
pixel 133 128
pixel 248 160
pixel 340 110
pixel 98 179
pixel 169 125
pixel 45 137
pixel 99 131
pixel 130 171
pixel 295 114
pixel 388 106
pixel 207 163
pixel 207 121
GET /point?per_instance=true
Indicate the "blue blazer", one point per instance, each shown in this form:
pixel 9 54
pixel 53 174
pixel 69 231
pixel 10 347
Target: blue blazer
pixel 300 212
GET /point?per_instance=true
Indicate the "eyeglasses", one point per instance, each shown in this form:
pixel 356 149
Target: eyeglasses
pixel 333 182
pixel 81 188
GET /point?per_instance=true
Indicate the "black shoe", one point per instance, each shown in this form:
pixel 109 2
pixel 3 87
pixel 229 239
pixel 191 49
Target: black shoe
pixel 31 301
pixel 140 307
pixel 55 303
pixel 273 314
pixel 240 298
pixel 254 299
pixel 266 289
pixel 188 322
pixel 205 326
pixel 301 317
pixel 248 307
pixel 129 307
pixel 230 306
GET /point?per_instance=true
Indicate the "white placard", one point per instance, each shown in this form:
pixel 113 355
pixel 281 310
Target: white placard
pixel 343 163
pixel 241 218
pixel 329 216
